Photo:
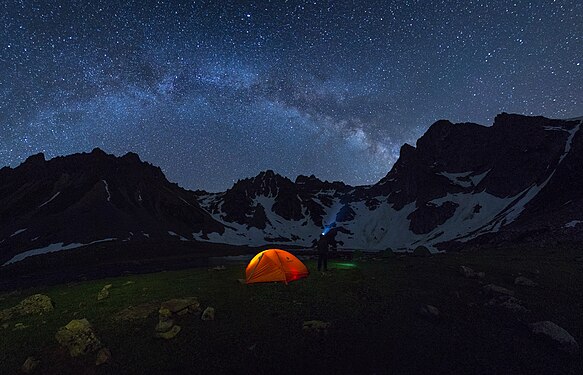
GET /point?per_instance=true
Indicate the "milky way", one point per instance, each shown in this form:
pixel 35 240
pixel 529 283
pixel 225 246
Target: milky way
pixel 216 91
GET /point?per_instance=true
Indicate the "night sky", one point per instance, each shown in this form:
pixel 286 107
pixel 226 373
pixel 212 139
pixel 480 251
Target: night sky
pixel 215 91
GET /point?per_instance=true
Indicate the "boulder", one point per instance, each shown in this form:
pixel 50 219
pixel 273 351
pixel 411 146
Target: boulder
pixel 316 326
pixel 164 325
pixel 103 357
pixel 164 313
pixel 29 365
pixel 104 292
pixel 166 328
pixel 141 311
pixel 208 314
pixel 558 335
pixel 78 337
pixel 33 305
pixel 429 311
pixel 169 334
pixel 19 326
pixel 507 302
pixel 181 306
pixel 470 273
pixel 524 281
pixel 495 289
pixel 421 251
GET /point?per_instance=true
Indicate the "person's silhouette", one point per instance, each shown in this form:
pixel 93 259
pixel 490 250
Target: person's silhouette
pixel 323 245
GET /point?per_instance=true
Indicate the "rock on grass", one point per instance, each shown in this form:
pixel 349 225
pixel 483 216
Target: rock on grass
pixel 508 302
pixel 316 326
pixel 524 281
pixel 470 273
pixel 33 305
pixel 559 335
pixel 495 289
pixel 78 337
pixel 208 314
pixel 29 365
pixel 141 311
pixel 103 357
pixel 169 334
pixel 429 311
pixel 181 306
pixel 104 292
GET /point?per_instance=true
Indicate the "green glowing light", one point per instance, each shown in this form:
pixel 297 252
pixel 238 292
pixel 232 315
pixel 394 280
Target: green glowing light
pixel 344 266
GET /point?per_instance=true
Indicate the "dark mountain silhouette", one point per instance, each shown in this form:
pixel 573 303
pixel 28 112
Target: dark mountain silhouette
pixel 92 197
pixel 462 185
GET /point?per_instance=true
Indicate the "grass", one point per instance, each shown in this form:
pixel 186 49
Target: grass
pixel 372 305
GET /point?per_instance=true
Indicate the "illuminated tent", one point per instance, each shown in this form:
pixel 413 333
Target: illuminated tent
pixel 275 265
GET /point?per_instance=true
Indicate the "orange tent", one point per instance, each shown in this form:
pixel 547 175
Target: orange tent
pixel 275 265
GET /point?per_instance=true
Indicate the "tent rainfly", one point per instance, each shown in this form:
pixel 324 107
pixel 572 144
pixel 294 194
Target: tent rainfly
pixel 275 265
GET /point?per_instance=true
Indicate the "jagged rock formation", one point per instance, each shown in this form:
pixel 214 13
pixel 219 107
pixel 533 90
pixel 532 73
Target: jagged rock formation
pixel 462 184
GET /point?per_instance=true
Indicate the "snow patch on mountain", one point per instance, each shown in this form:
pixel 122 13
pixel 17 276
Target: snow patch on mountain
pixel 573 224
pixel 107 190
pixel 464 179
pixel 50 199
pixel 18 232
pixel 459 179
pixel 572 133
pixel 182 238
pixel 52 248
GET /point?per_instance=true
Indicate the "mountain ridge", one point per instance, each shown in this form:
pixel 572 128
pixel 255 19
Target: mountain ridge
pixel 460 185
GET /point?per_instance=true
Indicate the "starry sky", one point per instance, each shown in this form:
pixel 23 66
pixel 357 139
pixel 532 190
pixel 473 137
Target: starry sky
pixel 215 91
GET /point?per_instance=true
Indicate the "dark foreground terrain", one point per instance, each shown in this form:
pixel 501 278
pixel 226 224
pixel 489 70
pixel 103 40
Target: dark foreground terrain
pixel 373 307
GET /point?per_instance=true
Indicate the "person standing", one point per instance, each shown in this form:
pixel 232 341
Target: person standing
pixel 323 245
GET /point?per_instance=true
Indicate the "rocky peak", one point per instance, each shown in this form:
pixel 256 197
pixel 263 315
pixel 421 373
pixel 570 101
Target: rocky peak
pixel 36 159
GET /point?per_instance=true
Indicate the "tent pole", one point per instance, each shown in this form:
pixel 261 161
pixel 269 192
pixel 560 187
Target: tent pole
pixel 281 264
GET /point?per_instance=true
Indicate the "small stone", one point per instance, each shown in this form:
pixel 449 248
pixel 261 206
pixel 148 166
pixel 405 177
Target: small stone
pixel 208 314
pixel 470 273
pixel 29 365
pixel 495 289
pixel 104 293
pixel 429 311
pixel 521 280
pixel 164 313
pixel 129 282
pixel 141 311
pixel 219 268
pixel 507 302
pixel 164 325
pixel 316 326
pixel 558 334
pixel 178 305
pixel 103 357
pixel 19 326
pixel 170 334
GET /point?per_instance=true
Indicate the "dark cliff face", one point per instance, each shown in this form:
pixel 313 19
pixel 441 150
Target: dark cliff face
pixel 89 197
